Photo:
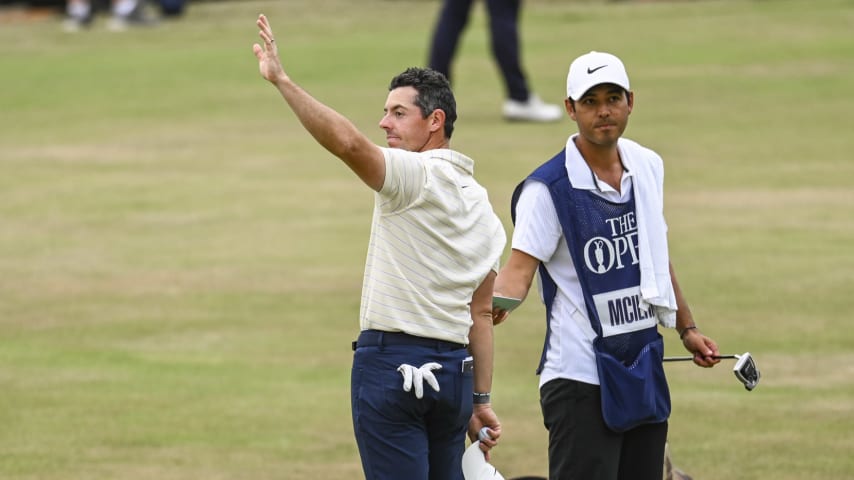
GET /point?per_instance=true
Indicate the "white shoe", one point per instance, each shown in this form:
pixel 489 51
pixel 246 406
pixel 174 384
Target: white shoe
pixel 138 17
pixel 534 110
pixel 117 24
pixel 73 24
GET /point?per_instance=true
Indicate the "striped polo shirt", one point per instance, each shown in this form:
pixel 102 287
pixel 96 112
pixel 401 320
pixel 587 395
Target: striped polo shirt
pixel 434 238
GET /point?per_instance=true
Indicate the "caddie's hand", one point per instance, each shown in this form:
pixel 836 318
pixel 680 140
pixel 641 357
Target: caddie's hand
pixel 414 377
pixel 483 416
pixel 702 347
pixel 268 54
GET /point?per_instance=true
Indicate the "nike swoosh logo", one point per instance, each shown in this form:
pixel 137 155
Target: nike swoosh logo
pixel 591 70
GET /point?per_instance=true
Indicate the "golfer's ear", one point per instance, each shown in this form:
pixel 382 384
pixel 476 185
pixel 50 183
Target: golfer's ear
pixel 437 120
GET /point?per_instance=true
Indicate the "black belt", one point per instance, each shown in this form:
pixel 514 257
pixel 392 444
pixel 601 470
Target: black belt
pixel 378 338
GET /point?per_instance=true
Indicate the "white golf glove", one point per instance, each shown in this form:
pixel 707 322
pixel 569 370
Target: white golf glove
pixel 416 376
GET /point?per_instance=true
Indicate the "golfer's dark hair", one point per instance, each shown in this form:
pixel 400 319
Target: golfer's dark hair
pixel 434 91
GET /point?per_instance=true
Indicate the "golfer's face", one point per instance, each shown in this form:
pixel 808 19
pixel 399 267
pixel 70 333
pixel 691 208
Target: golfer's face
pixel 404 126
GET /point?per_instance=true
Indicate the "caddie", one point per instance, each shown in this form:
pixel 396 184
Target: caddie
pixel 590 222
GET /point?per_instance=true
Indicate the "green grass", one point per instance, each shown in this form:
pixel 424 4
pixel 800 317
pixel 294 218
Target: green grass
pixel 180 264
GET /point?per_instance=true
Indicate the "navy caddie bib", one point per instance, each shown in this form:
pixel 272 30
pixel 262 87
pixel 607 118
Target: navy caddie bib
pixel 602 239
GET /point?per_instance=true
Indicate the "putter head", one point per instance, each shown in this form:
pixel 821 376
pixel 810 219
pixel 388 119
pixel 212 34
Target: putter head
pixel 746 371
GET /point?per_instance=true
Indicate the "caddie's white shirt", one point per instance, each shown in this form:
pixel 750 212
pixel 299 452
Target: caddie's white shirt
pixel 538 233
pixel 434 239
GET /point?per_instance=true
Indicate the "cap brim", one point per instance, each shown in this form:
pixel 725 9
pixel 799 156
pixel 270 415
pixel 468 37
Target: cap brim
pixel 596 83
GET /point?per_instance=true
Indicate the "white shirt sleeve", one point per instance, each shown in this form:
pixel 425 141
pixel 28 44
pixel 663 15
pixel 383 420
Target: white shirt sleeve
pixel 405 176
pixel 537 230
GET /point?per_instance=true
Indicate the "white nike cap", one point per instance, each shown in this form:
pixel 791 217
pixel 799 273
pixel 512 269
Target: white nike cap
pixel 475 466
pixel 594 68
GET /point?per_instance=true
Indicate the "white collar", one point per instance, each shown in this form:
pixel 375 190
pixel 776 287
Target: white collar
pixel 581 175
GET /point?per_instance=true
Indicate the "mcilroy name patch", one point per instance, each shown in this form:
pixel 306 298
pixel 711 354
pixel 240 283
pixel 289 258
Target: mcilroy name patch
pixel 623 311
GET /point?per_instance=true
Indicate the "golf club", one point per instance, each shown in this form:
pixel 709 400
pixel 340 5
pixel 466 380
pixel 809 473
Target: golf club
pixel 745 368
pixel 687 358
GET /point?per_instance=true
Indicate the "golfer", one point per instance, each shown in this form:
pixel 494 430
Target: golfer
pixel 590 221
pixel 422 367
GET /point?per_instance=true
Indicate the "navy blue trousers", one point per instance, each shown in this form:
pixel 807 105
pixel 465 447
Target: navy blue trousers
pixel 504 36
pixel 399 435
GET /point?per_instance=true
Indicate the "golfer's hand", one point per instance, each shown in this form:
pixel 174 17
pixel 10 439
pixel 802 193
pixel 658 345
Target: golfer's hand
pixel 483 416
pixel 499 315
pixel 702 347
pixel 414 377
pixel 268 54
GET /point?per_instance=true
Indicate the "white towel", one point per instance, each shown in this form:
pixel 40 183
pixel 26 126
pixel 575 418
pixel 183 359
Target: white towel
pixel 656 285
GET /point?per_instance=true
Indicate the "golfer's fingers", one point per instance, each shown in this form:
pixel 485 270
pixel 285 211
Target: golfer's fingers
pixel 487 444
pixel 264 24
pixel 494 434
pixel 267 38
pixel 265 32
pixel 486 418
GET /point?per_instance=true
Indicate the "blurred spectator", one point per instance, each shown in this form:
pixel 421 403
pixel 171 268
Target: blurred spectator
pixel 125 13
pixel 521 104
pixel 172 8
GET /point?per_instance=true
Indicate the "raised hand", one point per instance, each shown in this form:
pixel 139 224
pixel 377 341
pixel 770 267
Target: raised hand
pixel 268 56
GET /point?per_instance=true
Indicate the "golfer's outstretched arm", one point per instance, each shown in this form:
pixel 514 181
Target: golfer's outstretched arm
pixel 514 280
pixel 331 129
pixel 481 347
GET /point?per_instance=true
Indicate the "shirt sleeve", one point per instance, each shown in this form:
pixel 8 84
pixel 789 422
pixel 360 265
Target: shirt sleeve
pixel 537 231
pixel 405 177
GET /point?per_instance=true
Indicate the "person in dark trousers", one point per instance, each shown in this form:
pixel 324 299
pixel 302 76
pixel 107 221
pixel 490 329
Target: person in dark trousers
pixel 590 223
pixel 80 14
pixel 521 104
pixel 422 363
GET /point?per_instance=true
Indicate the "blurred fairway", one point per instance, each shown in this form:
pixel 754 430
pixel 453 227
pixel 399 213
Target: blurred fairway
pixel 180 263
